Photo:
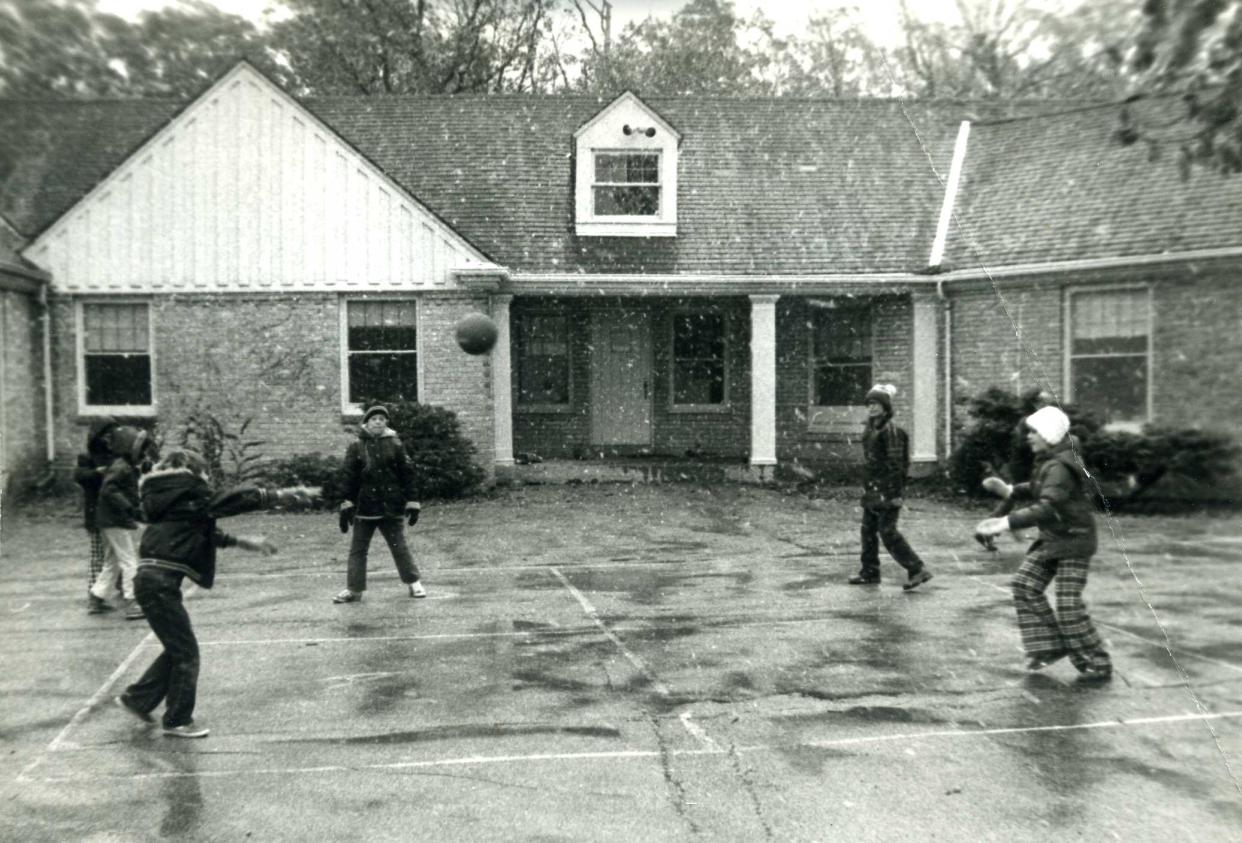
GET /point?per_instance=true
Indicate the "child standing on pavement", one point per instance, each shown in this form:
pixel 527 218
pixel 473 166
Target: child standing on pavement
pixel 886 459
pixel 180 541
pixel 92 463
pixel 116 517
pixel 1057 503
pixel 378 479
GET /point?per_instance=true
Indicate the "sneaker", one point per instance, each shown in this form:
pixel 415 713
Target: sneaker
pixel 347 596
pixel 916 580
pixel 98 606
pixel 417 590
pixel 1039 662
pixel 1095 672
pixel 863 579
pixel 147 719
pixel 133 612
pixel 988 542
pixel 186 730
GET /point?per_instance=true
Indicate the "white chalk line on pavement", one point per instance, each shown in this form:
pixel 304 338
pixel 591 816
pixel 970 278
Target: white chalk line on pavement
pixel 640 754
pixel 590 612
pixel 61 743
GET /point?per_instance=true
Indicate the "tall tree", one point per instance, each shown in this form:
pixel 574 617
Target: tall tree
pixel 412 46
pixel 1192 48
pixel 51 48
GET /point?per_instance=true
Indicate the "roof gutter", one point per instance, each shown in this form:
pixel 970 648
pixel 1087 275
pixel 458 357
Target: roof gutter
pixel 1090 264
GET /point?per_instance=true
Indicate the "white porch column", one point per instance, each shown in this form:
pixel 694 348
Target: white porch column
pixel 763 380
pixel 924 412
pixel 502 384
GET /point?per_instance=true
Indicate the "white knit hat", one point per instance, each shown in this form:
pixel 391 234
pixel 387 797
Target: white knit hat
pixel 1050 423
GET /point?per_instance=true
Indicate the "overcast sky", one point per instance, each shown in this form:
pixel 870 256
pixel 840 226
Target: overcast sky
pixel 790 15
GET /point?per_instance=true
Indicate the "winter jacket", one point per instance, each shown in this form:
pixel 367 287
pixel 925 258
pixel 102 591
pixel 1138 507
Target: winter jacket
pixel 88 474
pixel 181 512
pixel 378 476
pixel 886 459
pixel 118 491
pixel 1062 509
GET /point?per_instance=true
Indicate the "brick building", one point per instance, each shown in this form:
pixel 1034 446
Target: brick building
pixel 716 276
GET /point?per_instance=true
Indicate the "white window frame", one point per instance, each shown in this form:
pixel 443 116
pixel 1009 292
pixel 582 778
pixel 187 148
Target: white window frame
pixel 726 329
pixel 658 184
pixel 543 406
pixel 348 407
pixel 1068 345
pixel 830 418
pixel 132 410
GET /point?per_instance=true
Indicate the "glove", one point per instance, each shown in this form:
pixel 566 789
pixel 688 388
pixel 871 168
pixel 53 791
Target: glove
pixel 998 487
pixel 411 513
pixel 346 515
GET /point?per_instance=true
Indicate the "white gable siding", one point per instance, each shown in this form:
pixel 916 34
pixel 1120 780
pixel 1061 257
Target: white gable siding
pixel 246 190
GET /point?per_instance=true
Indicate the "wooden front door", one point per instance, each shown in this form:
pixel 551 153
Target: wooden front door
pixel 621 378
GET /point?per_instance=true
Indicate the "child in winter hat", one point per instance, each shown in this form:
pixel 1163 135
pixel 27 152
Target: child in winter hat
pixel 1050 423
pixel 882 394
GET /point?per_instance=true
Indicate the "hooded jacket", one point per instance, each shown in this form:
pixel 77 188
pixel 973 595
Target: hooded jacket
pixel 181 511
pixel 886 450
pixel 118 491
pixel 378 475
pixel 1061 509
pixel 88 474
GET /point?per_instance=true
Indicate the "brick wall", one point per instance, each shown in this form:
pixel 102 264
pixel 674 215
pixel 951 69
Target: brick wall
pixel 22 431
pixel 1015 339
pixel 275 360
pixel 724 433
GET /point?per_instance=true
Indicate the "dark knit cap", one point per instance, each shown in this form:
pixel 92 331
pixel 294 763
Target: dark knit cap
pixel 377 410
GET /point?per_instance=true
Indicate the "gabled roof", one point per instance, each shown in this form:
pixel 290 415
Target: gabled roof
pixel 1058 188
pixel 767 186
pixel 53 151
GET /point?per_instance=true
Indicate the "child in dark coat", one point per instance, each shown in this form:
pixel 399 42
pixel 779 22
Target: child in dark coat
pixel 180 541
pixel 1056 502
pixel 378 479
pixel 116 517
pixel 886 455
pixel 89 475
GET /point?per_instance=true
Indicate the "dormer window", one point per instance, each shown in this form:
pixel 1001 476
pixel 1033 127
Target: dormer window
pixel 627 184
pixel 626 173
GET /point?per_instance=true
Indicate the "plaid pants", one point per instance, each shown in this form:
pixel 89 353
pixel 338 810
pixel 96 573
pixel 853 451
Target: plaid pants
pixel 97 557
pixel 1067 630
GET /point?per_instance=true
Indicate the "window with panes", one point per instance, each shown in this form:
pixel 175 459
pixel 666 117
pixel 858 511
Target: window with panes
pixel 840 356
pixel 698 351
pixel 1109 353
pixel 543 358
pixel 626 184
pixel 116 355
pixel 382 347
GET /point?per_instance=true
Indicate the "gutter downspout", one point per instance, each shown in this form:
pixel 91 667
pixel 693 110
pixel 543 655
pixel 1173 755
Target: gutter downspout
pixel 50 424
pixel 933 265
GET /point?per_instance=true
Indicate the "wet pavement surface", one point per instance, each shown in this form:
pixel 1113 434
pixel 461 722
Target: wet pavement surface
pixel 621 662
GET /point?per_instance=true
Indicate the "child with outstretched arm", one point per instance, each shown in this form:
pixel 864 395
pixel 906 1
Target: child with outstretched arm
pixel 181 541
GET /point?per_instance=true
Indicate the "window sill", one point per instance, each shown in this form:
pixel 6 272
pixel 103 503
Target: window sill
pixel 122 412
pixel 836 420
pixel 545 409
pixel 597 228
pixel 701 409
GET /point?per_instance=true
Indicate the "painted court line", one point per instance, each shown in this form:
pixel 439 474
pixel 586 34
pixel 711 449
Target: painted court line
pixel 590 612
pixel 61 742
pixel 631 754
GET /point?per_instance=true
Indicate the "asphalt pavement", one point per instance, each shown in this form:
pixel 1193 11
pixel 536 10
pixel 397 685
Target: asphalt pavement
pixel 631 662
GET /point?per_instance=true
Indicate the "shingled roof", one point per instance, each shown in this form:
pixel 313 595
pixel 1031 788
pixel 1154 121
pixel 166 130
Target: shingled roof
pixel 767 186
pixel 1059 188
